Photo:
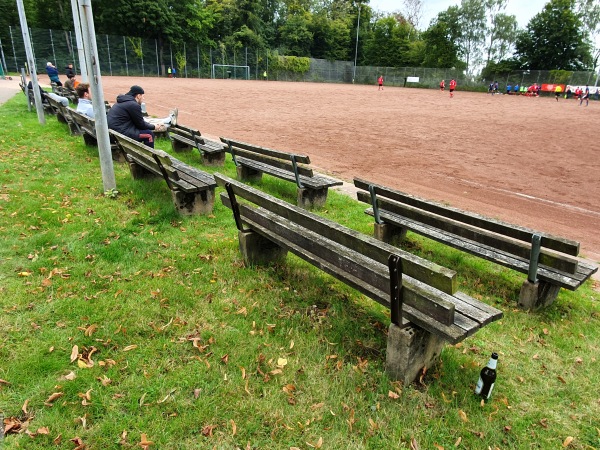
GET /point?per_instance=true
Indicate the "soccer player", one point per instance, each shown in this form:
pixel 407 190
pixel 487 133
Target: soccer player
pixel 380 82
pixel 557 91
pixel 585 95
pixel 442 85
pixel 452 87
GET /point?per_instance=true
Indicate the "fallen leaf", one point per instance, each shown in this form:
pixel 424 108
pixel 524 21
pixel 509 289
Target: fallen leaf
pixel 123 439
pixel 393 395
pixel 197 392
pixel 463 415
pixel 438 447
pixel 413 444
pixel 74 353
pixel 458 441
pixel 561 379
pixel 579 360
pixel 507 428
pixel 104 380
pixel 282 362
pixel 53 397
pixel 130 347
pixel 208 430
pixel 4 381
pixel 144 442
pixel 82 364
pixel 91 330
pixel 567 441
pixel 43 430
pixel 69 377
pixel 24 407
pixel 225 359
pixel 233 426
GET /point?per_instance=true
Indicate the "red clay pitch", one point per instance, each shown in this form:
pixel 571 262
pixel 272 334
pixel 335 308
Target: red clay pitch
pixel 528 161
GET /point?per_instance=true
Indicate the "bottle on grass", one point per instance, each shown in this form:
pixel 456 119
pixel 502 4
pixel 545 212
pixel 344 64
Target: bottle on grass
pixel 487 378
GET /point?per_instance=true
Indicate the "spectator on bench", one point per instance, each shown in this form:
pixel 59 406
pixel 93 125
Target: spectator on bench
pixel 84 106
pixel 71 83
pixel 53 73
pixel 126 117
pixel 43 93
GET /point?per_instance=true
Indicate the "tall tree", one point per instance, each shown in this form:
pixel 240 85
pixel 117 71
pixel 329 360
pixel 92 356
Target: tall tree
pixel 502 35
pixel 472 22
pixel 555 39
pixel 440 40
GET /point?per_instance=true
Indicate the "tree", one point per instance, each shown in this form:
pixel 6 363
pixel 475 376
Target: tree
pixel 555 39
pixel 472 23
pixel 296 36
pixel 440 41
pixel 413 11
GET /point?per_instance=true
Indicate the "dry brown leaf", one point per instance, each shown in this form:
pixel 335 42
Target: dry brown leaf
pixel 233 427
pixel 130 347
pixel 414 444
pixel 197 393
pixel 74 353
pixel 282 362
pixel 70 376
pixel 567 441
pixel 87 396
pixel 316 405
pixel 4 381
pixel 463 415
pixel 144 442
pixel 276 372
pixel 579 360
pixel 24 407
pixel 208 430
pixel 43 430
pixel 458 441
pixel 57 440
pixel 123 439
pixel 78 442
pixel 53 397
pixel 104 380
pixel 393 395
pixel 225 359
pixel 438 447
pixel 91 330
pixel 561 379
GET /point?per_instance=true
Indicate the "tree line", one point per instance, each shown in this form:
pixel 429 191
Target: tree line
pixel 475 35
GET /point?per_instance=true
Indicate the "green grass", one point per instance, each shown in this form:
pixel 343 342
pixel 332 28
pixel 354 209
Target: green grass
pixel 79 268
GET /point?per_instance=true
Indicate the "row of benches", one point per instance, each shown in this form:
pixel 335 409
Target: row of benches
pixel 425 305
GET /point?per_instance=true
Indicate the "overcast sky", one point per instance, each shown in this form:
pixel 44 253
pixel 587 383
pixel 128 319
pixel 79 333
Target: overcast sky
pixel 524 10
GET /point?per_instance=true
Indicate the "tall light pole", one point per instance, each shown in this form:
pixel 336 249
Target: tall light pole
pixel 356 49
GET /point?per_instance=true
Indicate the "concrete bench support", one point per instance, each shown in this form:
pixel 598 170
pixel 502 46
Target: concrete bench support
pixel 190 203
pixel 537 295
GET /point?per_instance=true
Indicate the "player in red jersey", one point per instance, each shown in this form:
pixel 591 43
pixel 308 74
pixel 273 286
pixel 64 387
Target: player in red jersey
pixel 442 85
pixel 380 82
pixel 452 87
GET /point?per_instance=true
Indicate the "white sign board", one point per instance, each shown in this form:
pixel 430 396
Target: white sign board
pixel 412 79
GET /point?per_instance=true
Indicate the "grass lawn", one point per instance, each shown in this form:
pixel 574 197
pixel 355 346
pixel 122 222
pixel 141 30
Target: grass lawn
pixel 125 325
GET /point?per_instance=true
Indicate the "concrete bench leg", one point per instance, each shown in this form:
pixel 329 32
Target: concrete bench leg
pixel 117 154
pixel 141 173
pixel 248 174
pixel 537 295
pixel 388 233
pixel 74 128
pixel 409 350
pixel 212 159
pixel 312 198
pixel 188 204
pixel 258 250
pixel 90 140
pixel 180 146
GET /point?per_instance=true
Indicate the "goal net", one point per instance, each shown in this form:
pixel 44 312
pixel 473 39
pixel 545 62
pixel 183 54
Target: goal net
pixel 224 71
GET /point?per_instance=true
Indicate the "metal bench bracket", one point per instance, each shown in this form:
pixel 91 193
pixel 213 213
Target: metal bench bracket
pixel 395 266
pixel 232 153
pixel 296 174
pixel 374 204
pixel 235 208
pixel 534 257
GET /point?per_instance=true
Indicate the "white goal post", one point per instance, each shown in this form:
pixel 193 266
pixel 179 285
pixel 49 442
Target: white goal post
pixel 230 71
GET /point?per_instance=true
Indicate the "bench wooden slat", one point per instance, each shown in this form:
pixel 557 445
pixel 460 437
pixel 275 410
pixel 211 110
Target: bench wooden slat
pixel 473 234
pixel 430 273
pixel 245 157
pixel 559 244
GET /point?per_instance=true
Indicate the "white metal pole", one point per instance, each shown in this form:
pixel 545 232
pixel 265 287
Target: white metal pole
pixel 89 43
pixel 80 51
pixel 31 63
pixel 356 49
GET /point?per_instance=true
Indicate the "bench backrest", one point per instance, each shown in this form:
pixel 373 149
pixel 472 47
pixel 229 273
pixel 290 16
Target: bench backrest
pixel 276 158
pixel 499 235
pixel 86 123
pixel 183 131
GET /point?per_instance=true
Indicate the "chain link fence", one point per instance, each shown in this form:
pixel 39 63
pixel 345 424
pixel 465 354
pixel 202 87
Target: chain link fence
pixel 129 56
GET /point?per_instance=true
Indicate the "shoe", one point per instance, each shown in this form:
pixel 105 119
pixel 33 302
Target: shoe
pixel 174 113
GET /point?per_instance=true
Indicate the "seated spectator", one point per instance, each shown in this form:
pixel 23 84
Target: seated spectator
pixel 69 70
pixel 53 73
pixel 43 93
pixel 126 117
pixel 71 83
pixel 84 105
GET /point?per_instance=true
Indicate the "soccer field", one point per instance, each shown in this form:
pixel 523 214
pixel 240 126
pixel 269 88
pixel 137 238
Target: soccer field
pixel 528 161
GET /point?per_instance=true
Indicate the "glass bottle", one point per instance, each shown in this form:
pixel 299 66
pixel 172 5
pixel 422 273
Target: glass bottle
pixel 487 378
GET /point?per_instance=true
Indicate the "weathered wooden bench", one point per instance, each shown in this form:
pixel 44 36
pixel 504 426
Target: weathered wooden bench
pixel 87 128
pixel 63 115
pixel 548 261
pixel 193 190
pixel 48 109
pixel 252 161
pixel 186 139
pixel 66 92
pixel 426 307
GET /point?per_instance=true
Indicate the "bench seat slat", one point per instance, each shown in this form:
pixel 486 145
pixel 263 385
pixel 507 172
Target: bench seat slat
pixel 302 159
pixel 315 182
pixel 565 280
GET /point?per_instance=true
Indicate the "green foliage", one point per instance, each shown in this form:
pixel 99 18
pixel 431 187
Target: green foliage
pixel 180 61
pixel 291 64
pixel 554 39
pixel 136 45
pixel 560 76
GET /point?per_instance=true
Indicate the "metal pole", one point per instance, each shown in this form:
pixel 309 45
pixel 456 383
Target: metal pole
pixel 356 49
pixel 30 61
pixel 89 39
pixel 107 51
pixel 142 58
pixel 24 81
pixel 198 55
pixel 125 50
pixel 185 54
pixel 157 61
pixel 12 41
pixel 53 53
pixel 80 52
pixel 3 60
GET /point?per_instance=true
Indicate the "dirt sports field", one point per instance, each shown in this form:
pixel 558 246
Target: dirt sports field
pixel 529 161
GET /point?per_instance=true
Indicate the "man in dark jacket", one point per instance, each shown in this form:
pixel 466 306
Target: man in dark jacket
pixel 126 117
pixel 52 73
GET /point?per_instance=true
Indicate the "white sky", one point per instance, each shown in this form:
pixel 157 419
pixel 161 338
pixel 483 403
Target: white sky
pixel 524 10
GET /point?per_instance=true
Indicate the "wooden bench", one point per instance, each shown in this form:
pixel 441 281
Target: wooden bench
pixel 186 139
pixel 426 308
pixel 193 191
pixel 252 161
pixel 48 109
pixel 548 261
pixel 66 92
pixel 63 115
pixel 87 128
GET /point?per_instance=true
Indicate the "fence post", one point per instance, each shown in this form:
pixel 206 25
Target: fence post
pixel 125 51
pixel 108 52
pixel 12 41
pixel 52 44
pixel 198 56
pixel 157 61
